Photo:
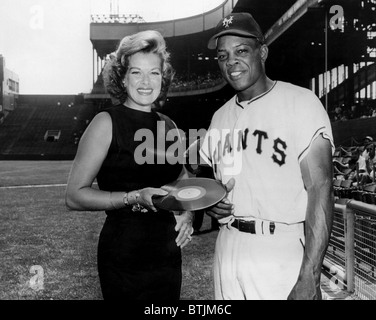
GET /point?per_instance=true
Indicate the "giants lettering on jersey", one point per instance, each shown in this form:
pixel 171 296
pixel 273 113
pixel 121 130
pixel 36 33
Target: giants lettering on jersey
pixel 225 153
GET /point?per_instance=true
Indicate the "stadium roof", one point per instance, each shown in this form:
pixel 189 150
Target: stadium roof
pixel 297 43
pixel 192 31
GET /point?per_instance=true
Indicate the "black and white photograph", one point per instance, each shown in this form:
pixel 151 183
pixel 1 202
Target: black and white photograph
pixel 170 155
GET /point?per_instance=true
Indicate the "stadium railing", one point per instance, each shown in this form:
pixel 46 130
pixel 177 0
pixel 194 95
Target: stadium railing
pixel 351 254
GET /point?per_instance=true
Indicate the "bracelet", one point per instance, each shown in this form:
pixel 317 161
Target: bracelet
pixel 125 199
pixel 137 195
pixel 133 197
pixel 136 207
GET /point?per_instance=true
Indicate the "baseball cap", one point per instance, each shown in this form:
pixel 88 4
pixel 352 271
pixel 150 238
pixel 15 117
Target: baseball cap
pixel 240 24
pixel 369 138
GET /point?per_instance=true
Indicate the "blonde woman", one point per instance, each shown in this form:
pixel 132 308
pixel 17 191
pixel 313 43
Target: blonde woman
pixel 139 251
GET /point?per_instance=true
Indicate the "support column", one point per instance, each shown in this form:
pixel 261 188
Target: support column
pixel 317 86
pixel 326 61
pixel 337 86
pixel 350 92
pixel 366 83
pixel 349 250
pixel 93 67
pixel 98 71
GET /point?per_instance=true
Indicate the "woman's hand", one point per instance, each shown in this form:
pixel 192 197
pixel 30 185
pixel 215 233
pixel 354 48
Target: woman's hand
pixel 145 197
pixel 184 226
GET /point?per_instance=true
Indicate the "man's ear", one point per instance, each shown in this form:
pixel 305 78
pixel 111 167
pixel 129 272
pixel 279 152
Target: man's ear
pixel 264 52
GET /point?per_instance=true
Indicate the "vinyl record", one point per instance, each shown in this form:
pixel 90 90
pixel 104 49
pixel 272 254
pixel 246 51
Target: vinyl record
pixel 191 194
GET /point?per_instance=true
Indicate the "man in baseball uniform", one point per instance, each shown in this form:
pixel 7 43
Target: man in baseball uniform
pixel 271 145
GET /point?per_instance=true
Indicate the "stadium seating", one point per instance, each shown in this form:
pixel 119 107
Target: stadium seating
pixel 345 183
pixel 52 131
pixel 23 133
pixel 369 194
pixel 181 82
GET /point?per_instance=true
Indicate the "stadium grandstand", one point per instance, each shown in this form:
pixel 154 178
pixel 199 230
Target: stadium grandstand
pixel 44 127
pixel 328 46
pixel 302 35
pixel 9 90
pixel 308 46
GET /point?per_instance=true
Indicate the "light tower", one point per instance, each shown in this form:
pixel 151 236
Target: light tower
pixel 114 8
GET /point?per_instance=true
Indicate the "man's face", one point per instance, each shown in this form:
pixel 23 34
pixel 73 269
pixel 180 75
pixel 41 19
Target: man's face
pixel 371 150
pixel 241 61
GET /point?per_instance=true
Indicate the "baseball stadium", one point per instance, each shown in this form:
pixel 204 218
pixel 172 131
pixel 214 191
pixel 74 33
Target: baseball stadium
pixel 326 46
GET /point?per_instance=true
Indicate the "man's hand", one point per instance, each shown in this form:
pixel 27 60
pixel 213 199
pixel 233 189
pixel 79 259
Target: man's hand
pixel 306 288
pixel 223 208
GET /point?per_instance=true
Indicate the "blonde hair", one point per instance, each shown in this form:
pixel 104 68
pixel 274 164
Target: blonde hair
pixel 149 41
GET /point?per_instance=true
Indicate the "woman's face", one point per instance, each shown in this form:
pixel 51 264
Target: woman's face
pixel 143 80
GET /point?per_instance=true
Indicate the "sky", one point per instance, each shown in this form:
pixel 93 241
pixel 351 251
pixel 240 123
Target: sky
pixel 47 42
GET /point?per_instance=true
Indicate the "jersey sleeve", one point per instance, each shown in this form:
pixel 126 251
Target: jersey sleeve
pixel 312 120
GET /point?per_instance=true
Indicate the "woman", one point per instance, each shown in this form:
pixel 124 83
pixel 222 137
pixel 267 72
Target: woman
pixel 139 250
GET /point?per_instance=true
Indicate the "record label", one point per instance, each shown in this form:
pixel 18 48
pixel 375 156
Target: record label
pixel 190 193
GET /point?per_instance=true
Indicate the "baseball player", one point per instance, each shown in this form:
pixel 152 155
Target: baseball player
pixel 271 145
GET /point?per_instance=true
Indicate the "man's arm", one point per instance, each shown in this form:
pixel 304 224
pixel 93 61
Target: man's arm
pixel 317 174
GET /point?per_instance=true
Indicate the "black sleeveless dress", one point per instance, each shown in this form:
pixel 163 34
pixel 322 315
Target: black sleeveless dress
pixel 138 258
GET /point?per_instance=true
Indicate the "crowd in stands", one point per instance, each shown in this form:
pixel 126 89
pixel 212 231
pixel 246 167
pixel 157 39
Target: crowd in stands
pixel 117 18
pixel 181 82
pixel 192 81
pixel 355 111
pixel 354 171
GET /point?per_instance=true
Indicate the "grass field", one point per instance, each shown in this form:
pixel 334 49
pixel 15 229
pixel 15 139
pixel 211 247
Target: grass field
pixel 49 253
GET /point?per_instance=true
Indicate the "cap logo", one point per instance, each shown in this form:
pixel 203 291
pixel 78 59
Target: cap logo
pixel 227 22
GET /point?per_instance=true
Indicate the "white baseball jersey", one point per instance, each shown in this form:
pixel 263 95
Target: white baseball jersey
pixel 261 143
